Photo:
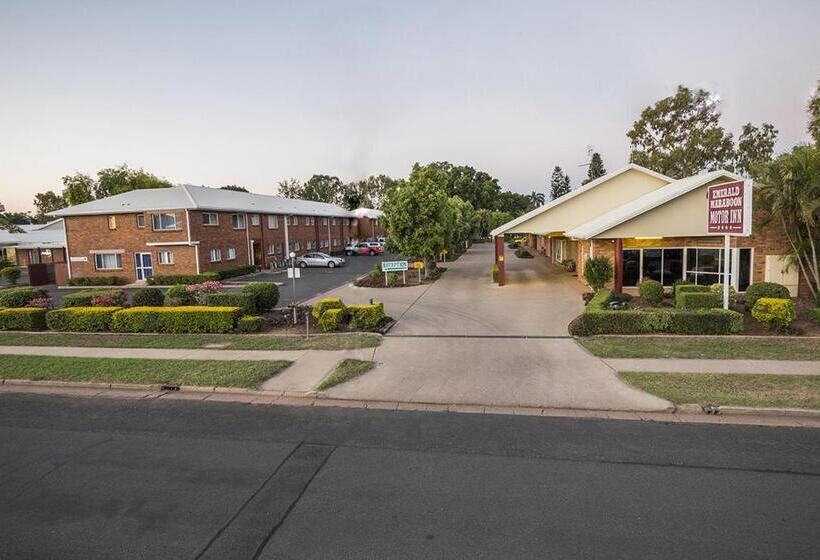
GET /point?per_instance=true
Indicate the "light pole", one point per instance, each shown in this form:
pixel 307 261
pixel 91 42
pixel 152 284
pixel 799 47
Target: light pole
pixel 293 275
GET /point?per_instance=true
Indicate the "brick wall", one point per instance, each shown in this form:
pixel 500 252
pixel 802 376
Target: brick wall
pixel 220 236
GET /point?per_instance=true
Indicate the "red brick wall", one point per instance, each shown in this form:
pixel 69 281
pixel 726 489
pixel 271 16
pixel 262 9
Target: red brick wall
pixel 220 236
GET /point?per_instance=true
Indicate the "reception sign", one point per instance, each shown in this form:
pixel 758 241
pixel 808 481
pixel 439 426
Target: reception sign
pixel 730 208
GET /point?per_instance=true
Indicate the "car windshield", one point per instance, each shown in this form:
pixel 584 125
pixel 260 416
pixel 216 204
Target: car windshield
pixel 321 255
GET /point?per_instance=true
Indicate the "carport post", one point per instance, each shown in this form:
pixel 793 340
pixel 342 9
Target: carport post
pixel 499 258
pixel 619 266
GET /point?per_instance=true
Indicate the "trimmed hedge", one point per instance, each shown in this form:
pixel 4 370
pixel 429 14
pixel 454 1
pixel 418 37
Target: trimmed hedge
pixel 774 312
pixel 266 294
pixel 366 316
pixel 814 315
pixel 23 319
pixel 97 281
pixel 324 304
pixel 651 292
pixel 765 290
pixel 173 279
pixel 233 272
pixel 10 274
pixel 250 324
pixel 187 319
pixel 19 297
pixel 148 297
pixel 697 300
pixel 81 319
pixel 246 302
pixel 85 297
pixel 717 289
pixel 494 273
pixel 332 319
pixel 178 296
pixel 706 321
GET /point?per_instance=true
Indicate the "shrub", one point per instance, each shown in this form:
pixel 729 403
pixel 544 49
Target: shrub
pixel 688 289
pixel 392 279
pixel 717 289
pixel 5 263
pixel 179 296
pixel 10 274
pixel 711 321
pixel 201 290
pixel 376 273
pixel 81 319
pixel 366 316
pixel 332 319
pixel 233 272
pixel 148 297
pixel 494 273
pixel 677 284
pixel 814 315
pixel 651 292
pixel 246 302
pixel 324 304
pixel 43 302
pixel 190 319
pixel 774 312
pixel 23 319
pixel 250 323
pixel 703 321
pixel 174 279
pixel 265 294
pixel 765 290
pixel 522 253
pixel 19 297
pixel 696 300
pixel 597 272
pixel 97 281
pixel 87 298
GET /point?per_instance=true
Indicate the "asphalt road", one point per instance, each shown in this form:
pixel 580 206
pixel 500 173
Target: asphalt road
pixel 115 478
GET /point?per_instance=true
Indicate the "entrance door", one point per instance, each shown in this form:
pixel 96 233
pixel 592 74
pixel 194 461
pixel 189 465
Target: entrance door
pixel 143 263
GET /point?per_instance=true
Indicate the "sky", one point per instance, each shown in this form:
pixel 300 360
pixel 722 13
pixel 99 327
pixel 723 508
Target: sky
pixel 251 93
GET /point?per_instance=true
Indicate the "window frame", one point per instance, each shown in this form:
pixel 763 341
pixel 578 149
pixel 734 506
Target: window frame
pixel 274 219
pixel 140 220
pixel 160 259
pixel 215 251
pixel 117 257
pixel 157 216
pixel 209 223
pixel 234 219
pixel 112 222
pixel 255 220
pixel 230 251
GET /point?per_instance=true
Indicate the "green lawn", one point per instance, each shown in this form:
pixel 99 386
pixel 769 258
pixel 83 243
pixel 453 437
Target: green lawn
pixel 345 371
pixel 239 373
pixel 777 391
pixel 230 341
pixel 751 348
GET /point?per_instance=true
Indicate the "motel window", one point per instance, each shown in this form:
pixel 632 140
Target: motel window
pixel 254 219
pixel 112 222
pixel 293 246
pixel 352 222
pixel 210 219
pixel 335 242
pixel 273 222
pixel 108 261
pixel 324 221
pixel 271 249
pixel 333 221
pixel 164 222
pixel 238 221
pixel 165 257
pixel 33 256
pixel 704 266
pixel 632 267
pixel 231 254
pixel 216 255
pixel 140 220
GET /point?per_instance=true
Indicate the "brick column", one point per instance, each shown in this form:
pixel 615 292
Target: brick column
pixel 619 266
pixel 499 259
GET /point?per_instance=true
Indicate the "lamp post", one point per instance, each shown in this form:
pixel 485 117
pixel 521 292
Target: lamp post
pixel 293 275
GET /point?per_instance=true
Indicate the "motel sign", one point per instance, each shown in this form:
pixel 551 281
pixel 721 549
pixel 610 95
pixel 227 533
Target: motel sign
pixel 730 208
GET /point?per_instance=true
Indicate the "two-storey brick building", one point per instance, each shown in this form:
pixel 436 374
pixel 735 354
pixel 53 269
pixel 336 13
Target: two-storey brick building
pixel 190 229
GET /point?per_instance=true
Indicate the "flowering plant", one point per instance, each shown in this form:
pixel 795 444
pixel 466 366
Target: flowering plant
pixel 103 301
pixel 202 289
pixel 44 302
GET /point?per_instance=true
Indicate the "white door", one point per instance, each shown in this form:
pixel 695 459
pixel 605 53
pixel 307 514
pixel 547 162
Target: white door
pixel 145 269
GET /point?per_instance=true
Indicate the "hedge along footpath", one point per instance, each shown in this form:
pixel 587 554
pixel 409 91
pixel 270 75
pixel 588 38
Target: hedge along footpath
pixel 332 314
pixel 81 319
pixel 185 319
pixel 22 319
pixel 172 279
pixel 598 319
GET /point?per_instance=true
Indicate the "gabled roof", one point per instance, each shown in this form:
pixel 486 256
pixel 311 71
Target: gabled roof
pixel 31 238
pixel 572 194
pixel 645 203
pixel 192 197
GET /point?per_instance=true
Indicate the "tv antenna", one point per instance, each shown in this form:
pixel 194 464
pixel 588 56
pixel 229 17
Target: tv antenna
pixel 590 151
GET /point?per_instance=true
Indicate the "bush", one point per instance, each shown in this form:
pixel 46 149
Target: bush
pixel 651 292
pixel 190 319
pixel 774 312
pixel 19 297
pixel 522 253
pixel 324 304
pixel 695 322
pixel 597 272
pixel 717 289
pixel 711 321
pixel 148 297
pixel 332 319
pixel 233 272
pixel 688 289
pixel 173 279
pixel 23 319
pixel 179 296
pixel 87 298
pixel 5 263
pixel 677 284
pixel 494 272
pixel 81 319
pixel 250 324
pixel 44 302
pixel 392 279
pixel 697 300
pixel 97 281
pixel 265 294
pixel 814 315
pixel 246 302
pixel 366 316
pixel 10 274
pixel 765 290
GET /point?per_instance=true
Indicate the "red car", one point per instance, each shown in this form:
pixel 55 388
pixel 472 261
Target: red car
pixel 364 248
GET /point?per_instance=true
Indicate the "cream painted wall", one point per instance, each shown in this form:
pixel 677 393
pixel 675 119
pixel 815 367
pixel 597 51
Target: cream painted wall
pixel 590 204
pixel 685 216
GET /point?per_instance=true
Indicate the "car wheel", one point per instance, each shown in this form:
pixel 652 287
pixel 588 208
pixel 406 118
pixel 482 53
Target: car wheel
pixel 303 264
pixel 331 264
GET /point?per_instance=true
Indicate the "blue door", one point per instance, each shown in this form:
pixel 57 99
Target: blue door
pixel 144 268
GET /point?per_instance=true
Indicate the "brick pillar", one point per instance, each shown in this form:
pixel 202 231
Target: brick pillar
pixel 619 266
pixel 499 259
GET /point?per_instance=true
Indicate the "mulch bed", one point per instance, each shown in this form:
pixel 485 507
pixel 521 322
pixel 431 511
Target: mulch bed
pixel 374 281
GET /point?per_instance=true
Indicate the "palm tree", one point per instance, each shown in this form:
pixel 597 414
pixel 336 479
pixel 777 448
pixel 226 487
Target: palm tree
pixel 537 198
pixel 789 188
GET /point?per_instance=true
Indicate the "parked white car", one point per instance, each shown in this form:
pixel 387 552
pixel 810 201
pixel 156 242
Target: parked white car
pixel 319 259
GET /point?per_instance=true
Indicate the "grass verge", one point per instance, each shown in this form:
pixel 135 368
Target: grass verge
pixel 240 373
pixel 226 341
pixel 770 391
pixel 757 348
pixel 345 371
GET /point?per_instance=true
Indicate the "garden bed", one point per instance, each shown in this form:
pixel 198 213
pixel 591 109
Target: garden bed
pixel 377 279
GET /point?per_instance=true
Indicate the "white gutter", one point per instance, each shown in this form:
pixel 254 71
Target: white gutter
pixel 67 252
pixel 248 239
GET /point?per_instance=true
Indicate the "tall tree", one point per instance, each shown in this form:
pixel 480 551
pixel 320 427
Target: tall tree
pixel 323 188
pixel 117 180
pixel 754 146
pixel 46 202
pixel 367 193
pixel 291 188
pixel 559 183
pixel 6 223
pixel 78 189
pixel 235 188
pixel 680 135
pixel 513 203
pixel 814 115
pixel 596 168
pixel 537 198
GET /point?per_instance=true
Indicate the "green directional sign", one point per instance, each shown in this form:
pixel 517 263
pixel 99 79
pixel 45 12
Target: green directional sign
pixel 394 266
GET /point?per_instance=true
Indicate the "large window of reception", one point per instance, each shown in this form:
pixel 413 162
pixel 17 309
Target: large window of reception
pixel 700 265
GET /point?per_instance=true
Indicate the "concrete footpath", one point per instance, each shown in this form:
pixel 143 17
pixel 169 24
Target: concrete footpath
pixel 767 367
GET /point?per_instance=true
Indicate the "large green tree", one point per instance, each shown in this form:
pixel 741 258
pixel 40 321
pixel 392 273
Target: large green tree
pixel 6 223
pixel 290 188
pixel 78 189
pixel 559 183
pixel 537 198
pixel 121 179
pixel 814 115
pixel 596 168
pixel 754 147
pixel 46 202
pixel 680 135
pixel 323 188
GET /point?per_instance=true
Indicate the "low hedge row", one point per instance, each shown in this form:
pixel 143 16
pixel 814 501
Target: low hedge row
pixel 23 319
pixel 174 279
pixel 367 316
pixel 233 272
pixel 814 315
pixel 266 294
pixel 19 297
pixel 81 319
pixel 97 281
pixel 250 324
pixel 246 302
pixel 697 300
pixel 332 313
pixel 86 298
pixel 188 319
